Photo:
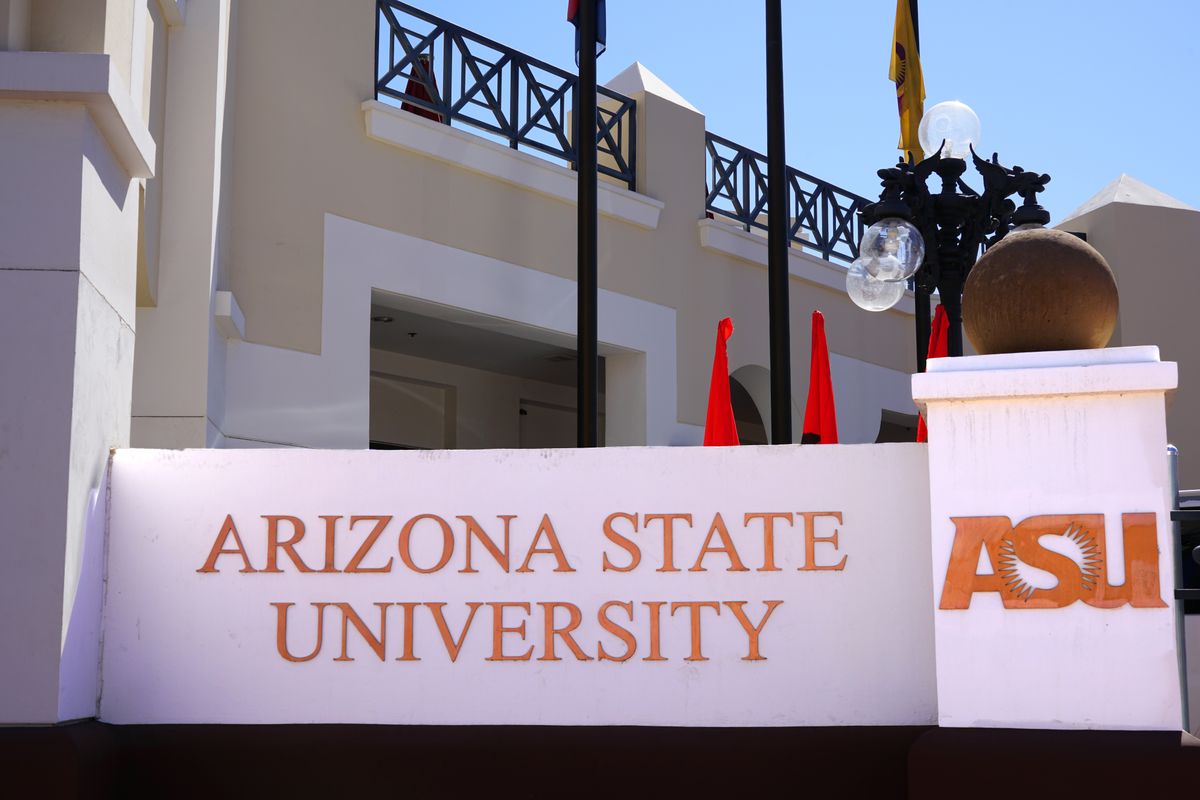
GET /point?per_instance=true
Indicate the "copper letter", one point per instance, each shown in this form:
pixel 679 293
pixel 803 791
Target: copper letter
pixel 281 611
pixel 474 529
pixel 546 528
pixel 635 554
pixel 227 529
pixel 406 536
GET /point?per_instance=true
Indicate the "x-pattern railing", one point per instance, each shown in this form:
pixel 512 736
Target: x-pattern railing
pixel 445 72
pixel 822 217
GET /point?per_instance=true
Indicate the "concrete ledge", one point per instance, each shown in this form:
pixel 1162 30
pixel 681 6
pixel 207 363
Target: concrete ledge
pixel 1144 354
pixel 91 79
pixel 228 317
pixel 390 125
pixel 1117 370
pixel 728 239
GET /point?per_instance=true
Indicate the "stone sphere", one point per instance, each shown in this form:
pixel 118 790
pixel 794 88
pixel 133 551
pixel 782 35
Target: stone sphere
pixel 1040 289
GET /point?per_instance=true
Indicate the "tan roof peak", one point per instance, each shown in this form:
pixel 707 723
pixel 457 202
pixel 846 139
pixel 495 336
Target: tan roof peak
pixel 636 78
pixel 1128 189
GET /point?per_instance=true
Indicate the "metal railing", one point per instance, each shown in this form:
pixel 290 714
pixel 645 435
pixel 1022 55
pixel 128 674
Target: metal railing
pixel 444 72
pixel 447 73
pixel 1186 548
pixel 822 217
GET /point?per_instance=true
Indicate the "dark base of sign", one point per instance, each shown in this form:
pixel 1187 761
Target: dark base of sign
pixel 92 759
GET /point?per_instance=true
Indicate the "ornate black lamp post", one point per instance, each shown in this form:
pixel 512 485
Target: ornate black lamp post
pixel 932 237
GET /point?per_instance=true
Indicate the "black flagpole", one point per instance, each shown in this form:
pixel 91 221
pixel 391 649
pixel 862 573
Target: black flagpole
pixel 588 375
pixel 921 297
pixel 777 234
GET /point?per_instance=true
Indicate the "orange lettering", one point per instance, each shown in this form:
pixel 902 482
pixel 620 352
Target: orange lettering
pixel 1142 588
pixel 1009 547
pixel 616 630
pixel 406 538
pixel 361 553
pixel 668 521
pixel 452 646
pixel 655 608
pixel 351 617
pixel 811 540
pixel 474 529
pixel 695 606
pixel 972 535
pixel 768 536
pixel 409 609
pixel 218 549
pixel 499 629
pixel 288 546
pixel 718 527
pixel 330 530
pixel 545 527
pixel 635 554
pixel 752 631
pixel 281 611
pixel 1023 543
pixel 551 631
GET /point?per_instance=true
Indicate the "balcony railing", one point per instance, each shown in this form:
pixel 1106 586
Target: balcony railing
pixel 444 72
pixel 458 77
pixel 822 216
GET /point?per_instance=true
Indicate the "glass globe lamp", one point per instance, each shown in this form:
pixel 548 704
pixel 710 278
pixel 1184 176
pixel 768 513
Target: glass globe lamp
pixel 869 293
pixel 892 250
pixel 952 122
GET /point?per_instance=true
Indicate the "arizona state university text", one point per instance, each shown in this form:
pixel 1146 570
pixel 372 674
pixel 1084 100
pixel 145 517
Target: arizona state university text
pixel 517 628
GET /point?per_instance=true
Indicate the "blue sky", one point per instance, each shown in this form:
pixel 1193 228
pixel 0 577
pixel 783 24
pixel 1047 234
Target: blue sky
pixel 1081 89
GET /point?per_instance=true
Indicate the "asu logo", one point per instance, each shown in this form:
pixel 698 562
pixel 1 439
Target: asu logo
pixel 1068 555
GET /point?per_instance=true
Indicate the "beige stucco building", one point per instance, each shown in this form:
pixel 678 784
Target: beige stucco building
pixel 207 241
pixel 333 208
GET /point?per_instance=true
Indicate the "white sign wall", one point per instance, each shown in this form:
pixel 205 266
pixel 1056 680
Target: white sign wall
pixel 647 586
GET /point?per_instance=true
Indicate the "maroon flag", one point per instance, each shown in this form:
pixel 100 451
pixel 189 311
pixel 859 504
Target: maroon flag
pixel 720 428
pixel 820 417
pixel 601 33
pixel 416 88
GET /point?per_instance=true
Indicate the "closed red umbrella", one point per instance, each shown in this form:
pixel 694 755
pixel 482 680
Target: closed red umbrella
pixel 720 428
pixel 820 416
pixel 939 347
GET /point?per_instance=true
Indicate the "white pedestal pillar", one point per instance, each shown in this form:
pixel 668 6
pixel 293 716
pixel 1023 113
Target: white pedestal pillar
pixel 1052 557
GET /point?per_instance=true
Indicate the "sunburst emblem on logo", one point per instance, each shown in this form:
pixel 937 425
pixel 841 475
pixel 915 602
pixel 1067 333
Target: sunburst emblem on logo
pixel 1080 547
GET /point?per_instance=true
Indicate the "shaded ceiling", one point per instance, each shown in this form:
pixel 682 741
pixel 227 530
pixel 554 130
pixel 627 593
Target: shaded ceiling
pixel 472 341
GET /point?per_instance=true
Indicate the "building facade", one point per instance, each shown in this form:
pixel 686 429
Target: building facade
pixel 222 227
pixel 467 245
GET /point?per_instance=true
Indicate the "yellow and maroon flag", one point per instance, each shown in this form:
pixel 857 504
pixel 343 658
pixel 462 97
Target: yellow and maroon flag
pixel 905 72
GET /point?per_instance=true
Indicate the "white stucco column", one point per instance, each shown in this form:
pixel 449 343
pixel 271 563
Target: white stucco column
pixel 73 146
pixel 1052 558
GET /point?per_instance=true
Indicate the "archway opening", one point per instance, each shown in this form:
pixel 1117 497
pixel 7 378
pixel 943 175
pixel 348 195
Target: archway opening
pixel 750 426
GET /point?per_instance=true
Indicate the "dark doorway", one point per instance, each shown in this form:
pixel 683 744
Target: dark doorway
pixel 750 426
pixel 896 427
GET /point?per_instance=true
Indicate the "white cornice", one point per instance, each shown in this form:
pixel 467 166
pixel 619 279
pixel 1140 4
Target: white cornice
pixel 443 143
pixel 90 79
pixel 1110 370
